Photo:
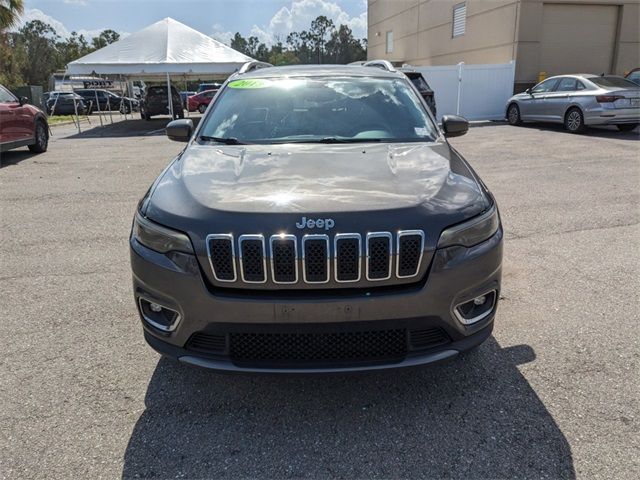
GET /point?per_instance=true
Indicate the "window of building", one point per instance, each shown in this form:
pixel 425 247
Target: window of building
pixel 390 41
pixel 459 19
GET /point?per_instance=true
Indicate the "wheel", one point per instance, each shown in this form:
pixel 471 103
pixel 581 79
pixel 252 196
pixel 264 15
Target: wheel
pixel 42 138
pixel 124 109
pixel 513 115
pixel 574 121
pixel 202 107
pixel 627 127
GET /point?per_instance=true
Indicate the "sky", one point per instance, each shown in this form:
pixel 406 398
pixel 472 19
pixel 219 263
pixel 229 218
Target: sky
pixel 269 20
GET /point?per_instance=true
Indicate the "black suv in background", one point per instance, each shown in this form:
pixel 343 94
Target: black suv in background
pixel 64 103
pixel 155 102
pixel 423 87
pixel 104 100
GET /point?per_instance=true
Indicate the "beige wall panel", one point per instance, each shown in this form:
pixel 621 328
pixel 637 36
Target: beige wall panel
pixel 577 38
pixel 382 10
pixel 488 55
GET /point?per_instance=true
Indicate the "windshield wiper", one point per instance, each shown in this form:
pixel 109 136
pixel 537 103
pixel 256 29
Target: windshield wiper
pixel 226 141
pixel 348 140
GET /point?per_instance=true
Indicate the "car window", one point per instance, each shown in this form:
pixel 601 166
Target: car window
pixel 545 86
pixel 284 110
pixel 420 83
pixel 566 84
pixel 612 81
pixel 634 77
pixel 6 96
pixel 580 85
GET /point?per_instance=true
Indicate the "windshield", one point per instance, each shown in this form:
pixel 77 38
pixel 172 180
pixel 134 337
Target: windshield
pixel 613 82
pixel 318 109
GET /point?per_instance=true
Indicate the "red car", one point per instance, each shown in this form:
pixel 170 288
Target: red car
pixel 200 101
pixel 21 124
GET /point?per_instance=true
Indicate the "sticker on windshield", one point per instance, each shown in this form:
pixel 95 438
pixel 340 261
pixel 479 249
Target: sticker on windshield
pixel 250 83
pixel 421 131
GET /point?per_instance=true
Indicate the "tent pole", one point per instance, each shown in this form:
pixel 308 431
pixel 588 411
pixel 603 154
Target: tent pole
pixel 95 92
pixel 169 96
pixel 75 109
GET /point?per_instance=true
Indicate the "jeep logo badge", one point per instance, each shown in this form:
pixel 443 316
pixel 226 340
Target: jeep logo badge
pixel 326 223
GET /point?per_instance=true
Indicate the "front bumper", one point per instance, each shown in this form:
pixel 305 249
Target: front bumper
pixel 456 275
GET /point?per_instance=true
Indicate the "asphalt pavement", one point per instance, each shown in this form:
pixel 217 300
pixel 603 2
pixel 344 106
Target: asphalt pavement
pixel 554 393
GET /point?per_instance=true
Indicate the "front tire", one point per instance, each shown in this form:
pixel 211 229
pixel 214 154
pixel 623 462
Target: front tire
pixel 513 115
pixel 627 127
pixel 202 107
pixel 42 138
pixel 574 121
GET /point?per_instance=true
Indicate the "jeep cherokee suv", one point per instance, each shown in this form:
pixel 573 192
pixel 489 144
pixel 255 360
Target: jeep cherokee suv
pixel 317 220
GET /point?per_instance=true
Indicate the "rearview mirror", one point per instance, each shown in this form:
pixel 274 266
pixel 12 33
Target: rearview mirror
pixel 454 126
pixel 24 100
pixel 180 130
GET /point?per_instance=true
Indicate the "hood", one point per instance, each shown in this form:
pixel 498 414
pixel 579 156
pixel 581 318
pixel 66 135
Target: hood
pixel 328 178
pixel 270 187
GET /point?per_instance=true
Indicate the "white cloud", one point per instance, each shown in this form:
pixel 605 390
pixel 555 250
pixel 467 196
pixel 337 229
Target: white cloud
pixel 80 3
pixel 219 33
pixel 299 15
pixel 36 14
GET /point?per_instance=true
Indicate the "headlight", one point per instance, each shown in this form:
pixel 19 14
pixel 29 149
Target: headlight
pixel 472 232
pixel 159 238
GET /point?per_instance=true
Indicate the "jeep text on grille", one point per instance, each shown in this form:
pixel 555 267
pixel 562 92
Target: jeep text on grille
pixel 317 220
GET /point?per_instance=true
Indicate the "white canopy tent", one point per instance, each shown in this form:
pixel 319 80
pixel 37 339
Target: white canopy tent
pixel 166 47
pixel 160 51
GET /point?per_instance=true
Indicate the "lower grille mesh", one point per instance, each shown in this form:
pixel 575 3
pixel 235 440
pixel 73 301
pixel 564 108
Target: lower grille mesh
pixel 318 347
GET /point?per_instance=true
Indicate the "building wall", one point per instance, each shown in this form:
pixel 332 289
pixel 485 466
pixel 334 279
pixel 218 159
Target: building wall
pixel 498 31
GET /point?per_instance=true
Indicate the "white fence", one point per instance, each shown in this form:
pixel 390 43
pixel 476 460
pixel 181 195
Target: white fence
pixel 477 92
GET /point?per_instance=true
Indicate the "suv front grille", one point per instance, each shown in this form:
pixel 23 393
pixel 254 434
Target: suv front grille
pixel 317 257
pixel 318 347
pixel 292 345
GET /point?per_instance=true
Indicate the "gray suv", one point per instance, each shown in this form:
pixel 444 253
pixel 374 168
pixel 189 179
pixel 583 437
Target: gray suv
pixel 317 220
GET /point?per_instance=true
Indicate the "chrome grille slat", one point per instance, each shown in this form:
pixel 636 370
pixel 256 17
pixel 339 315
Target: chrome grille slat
pixel 383 256
pixel 252 258
pixel 379 246
pixel 315 258
pixel 347 269
pixel 219 247
pixel 284 258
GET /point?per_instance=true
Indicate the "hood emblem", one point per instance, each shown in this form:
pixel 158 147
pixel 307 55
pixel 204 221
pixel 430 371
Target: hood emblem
pixel 326 223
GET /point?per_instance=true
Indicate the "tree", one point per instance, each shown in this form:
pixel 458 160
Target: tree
pixel 37 40
pixel 105 38
pixel 320 27
pixel 239 43
pixel 72 48
pixel 10 11
pixel 342 47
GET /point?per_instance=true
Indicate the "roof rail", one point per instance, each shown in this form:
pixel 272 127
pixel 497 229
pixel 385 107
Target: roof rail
pixel 383 64
pixel 253 65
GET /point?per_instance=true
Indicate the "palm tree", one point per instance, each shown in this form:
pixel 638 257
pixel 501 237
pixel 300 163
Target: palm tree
pixel 10 11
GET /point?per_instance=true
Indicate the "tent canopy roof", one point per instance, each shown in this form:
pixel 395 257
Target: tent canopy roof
pixel 167 46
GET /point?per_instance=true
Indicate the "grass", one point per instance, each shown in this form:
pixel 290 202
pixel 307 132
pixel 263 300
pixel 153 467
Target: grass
pixel 58 119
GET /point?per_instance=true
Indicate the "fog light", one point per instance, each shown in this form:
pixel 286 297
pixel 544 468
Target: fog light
pixel 159 316
pixel 476 309
pixel 155 307
pixel 476 301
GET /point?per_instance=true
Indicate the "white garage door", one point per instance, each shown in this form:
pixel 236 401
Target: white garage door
pixel 578 38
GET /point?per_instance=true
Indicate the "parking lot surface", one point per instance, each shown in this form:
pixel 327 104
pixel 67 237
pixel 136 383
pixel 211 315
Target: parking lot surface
pixel 552 394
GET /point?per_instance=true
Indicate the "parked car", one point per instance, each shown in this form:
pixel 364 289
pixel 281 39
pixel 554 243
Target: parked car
pixel 155 102
pixel 201 100
pixel 578 101
pixel 21 124
pixel 184 97
pixel 634 76
pixel 107 101
pixel 423 87
pixel 208 86
pixel 65 103
pixel 317 220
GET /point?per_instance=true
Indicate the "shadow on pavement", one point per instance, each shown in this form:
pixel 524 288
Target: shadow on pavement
pixel 13 157
pixel 603 132
pixel 135 127
pixel 473 417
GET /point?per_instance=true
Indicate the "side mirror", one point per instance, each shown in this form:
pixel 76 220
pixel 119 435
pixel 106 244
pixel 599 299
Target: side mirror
pixel 528 90
pixel 454 126
pixel 24 100
pixel 180 130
